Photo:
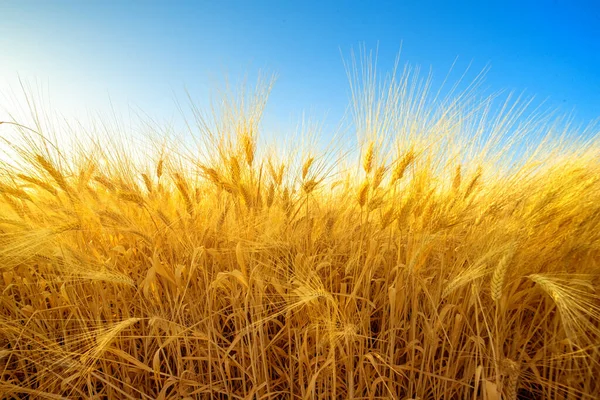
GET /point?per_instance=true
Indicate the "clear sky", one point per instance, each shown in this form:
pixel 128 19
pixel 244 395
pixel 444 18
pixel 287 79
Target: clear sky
pixel 142 52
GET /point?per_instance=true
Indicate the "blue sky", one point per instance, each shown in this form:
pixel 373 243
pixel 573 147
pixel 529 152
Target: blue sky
pixel 143 53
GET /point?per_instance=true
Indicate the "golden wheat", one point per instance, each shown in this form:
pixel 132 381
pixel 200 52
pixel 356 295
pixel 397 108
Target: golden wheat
pixel 349 283
pixel 54 173
pixel 402 165
pixel 498 277
pixel 47 187
pixel 368 158
pixel 363 192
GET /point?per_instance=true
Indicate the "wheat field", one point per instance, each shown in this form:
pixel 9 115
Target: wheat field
pixel 451 251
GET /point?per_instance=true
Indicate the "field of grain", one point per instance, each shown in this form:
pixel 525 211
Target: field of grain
pixel 453 252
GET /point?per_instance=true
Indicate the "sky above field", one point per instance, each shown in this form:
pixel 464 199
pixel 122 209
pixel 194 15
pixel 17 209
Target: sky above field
pixel 94 55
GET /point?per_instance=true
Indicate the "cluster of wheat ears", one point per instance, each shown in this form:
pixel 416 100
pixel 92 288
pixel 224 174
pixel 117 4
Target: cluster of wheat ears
pixel 452 251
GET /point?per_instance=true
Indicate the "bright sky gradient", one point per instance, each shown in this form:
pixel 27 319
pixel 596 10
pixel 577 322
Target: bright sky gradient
pixel 143 53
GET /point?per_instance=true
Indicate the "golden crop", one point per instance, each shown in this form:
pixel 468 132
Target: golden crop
pixel 424 263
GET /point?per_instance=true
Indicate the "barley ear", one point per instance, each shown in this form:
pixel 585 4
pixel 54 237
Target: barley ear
pixel 378 177
pixel 159 168
pixel 212 175
pixel 511 371
pixel 15 192
pixel 498 278
pixel 270 195
pixel 249 148
pixel 105 182
pixel 132 197
pixel 47 187
pixel 473 183
pixel 54 173
pixel 402 165
pixel 363 193
pixel 234 169
pixel 368 157
pixel 309 186
pixel 456 180
pixel 147 182
pixel 306 166
pixel 184 191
